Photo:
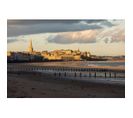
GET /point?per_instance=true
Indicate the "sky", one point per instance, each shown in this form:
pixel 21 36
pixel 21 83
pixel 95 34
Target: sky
pixel 97 36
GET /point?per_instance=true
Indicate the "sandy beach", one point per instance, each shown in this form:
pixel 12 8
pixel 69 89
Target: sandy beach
pixel 38 86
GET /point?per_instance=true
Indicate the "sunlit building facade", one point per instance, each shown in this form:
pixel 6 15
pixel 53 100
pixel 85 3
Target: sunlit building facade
pixel 64 55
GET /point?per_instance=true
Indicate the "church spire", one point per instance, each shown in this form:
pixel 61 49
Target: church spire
pixel 30 49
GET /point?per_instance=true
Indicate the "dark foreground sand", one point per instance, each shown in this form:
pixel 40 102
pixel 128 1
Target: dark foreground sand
pixel 45 86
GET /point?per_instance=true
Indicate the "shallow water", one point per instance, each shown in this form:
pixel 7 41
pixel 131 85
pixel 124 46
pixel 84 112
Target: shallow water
pixel 104 63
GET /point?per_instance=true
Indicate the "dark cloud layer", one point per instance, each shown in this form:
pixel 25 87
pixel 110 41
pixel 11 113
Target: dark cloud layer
pixel 64 21
pixel 35 22
pixel 24 27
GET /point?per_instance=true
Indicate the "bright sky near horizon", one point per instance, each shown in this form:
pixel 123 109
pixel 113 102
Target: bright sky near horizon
pixel 100 37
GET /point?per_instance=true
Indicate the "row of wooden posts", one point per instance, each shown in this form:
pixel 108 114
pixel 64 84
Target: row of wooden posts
pixel 106 73
pixel 59 68
pixel 90 75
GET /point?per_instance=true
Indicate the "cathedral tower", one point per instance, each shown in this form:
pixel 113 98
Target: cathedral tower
pixel 30 49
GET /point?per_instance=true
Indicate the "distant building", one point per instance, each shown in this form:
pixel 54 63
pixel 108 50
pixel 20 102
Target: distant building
pixel 21 56
pixel 10 56
pixel 77 57
pixel 56 55
pixel 30 48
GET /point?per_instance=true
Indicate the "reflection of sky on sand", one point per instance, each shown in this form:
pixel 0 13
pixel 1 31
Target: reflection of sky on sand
pixel 103 63
pixel 86 64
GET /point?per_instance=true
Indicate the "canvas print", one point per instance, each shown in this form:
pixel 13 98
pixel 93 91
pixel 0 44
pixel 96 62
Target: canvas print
pixel 66 58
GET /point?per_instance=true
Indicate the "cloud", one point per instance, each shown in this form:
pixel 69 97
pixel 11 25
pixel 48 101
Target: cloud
pixel 24 27
pixel 15 39
pixel 113 34
pixel 11 40
pixel 14 22
pixel 106 35
pixel 67 31
pixel 88 36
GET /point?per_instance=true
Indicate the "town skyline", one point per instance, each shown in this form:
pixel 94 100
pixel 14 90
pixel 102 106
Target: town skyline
pixel 100 37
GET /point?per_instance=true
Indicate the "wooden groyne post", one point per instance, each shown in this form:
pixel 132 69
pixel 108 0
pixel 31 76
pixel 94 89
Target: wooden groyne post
pixel 105 75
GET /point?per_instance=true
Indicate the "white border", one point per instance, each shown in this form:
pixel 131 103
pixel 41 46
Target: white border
pixel 40 9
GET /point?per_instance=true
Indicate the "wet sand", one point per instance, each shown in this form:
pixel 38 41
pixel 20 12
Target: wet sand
pixel 46 86
pixel 76 64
